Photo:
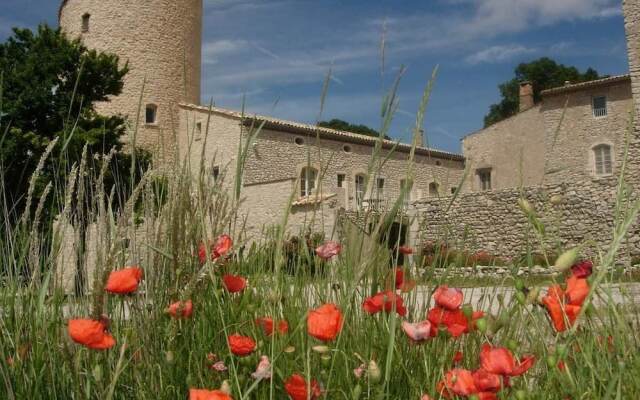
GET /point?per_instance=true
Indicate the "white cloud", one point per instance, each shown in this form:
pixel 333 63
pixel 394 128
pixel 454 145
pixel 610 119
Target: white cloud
pixel 498 54
pixel 212 52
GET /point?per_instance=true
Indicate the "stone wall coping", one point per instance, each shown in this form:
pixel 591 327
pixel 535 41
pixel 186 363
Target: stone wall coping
pixel 281 125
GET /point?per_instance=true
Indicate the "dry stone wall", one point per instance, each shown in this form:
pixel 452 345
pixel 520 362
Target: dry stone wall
pixel 573 214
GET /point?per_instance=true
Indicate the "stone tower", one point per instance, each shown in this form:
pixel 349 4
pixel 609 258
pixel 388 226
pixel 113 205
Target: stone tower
pixel 631 9
pixel 162 42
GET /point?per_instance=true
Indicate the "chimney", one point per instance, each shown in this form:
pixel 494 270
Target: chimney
pixel 526 96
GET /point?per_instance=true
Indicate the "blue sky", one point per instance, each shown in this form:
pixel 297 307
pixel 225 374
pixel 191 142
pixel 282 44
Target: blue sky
pixel 277 52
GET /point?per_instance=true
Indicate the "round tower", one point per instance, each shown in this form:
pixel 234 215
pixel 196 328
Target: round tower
pixel 162 42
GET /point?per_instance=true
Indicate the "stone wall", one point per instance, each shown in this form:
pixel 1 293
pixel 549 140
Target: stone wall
pixel 513 149
pixel 161 41
pixel 631 10
pixel 493 222
pixel 570 139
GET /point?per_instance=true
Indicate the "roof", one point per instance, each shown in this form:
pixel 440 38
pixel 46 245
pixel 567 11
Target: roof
pixel 327 133
pixel 586 85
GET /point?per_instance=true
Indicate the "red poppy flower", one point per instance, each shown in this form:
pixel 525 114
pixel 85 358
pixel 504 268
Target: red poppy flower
pixel 325 322
pixel 328 250
pixel 241 345
pixel 266 323
pixel 202 394
pixel 448 298
pixel 297 388
pixel 406 250
pixel 577 290
pixel 234 283
pixel 583 269
pixel 486 381
pixel 384 301
pixel 124 281
pixel 181 309
pixel 454 321
pixel 90 333
pixel 399 277
pixel 417 332
pixel 457 357
pixel 500 361
pixel 566 304
pixel 460 382
pixel 218 249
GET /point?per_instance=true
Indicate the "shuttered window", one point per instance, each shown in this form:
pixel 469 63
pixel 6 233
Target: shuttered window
pixel 603 164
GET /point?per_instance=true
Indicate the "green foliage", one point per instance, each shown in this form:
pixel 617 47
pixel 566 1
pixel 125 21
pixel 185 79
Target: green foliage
pixel 341 125
pixel 543 73
pixel 50 86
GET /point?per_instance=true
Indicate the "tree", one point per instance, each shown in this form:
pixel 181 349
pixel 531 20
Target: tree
pixel 49 85
pixel 543 73
pixel 341 125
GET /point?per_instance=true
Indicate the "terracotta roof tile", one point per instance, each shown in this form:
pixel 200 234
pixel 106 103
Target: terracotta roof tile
pixel 585 85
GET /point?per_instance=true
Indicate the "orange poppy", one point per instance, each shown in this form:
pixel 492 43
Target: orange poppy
pixel 241 345
pixel 577 290
pixel 566 304
pixel 384 301
pixel 181 309
pixel 328 250
pixel 460 382
pixel 267 325
pixel 234 283
pixel 90 333
pixel 202 394
pixel 448 298
pixel 298 389
pixel 406 250
pixel 124 281
pixel 486 381
pixel 454 321
pixel 325 322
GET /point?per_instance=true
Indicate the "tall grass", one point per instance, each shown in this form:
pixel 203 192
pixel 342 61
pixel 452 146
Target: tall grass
pixel 159 226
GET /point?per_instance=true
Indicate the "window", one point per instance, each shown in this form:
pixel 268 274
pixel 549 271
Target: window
pixel 341 179
pixel 438 163
pixel 198 128
pixel 361 188
pixel 346 148
pixel 307 181
pixel 151 114
pixel 453 190
pixel 434 189
pixel 484 176
pixel 602 159
pixel 299 141
pixel 599 106
pixel 380 187
pixel 215 172
pixel 86 19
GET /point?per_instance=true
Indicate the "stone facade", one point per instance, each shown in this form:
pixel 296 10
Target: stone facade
pixel 272 174
pixel 512 151
pixel 160 41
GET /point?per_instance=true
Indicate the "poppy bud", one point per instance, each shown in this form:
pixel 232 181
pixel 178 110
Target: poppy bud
pixel 246 361
pixel 519 285
pixel 467 310
pixel 521 394
pixel 522 299
pixel 325 360
pixel 373 372
pixel 226 387
pixel 513 345
pixel 552 361
pixel 289 349
pixel 526 207
pixel 97 373
pixel 566 260
pixel 532 296
pixel 320 349
pixel 356 392
pixel 561 350
pixel 481 324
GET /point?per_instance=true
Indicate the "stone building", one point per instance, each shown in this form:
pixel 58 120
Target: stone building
pixel 323 171
pixel 564 156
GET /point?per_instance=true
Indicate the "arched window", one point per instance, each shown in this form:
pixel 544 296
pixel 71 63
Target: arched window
pixel 308 177
pixel 151 114
pixel 86 19
pixel 361 188
pixel 602 159
pixel 434 189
